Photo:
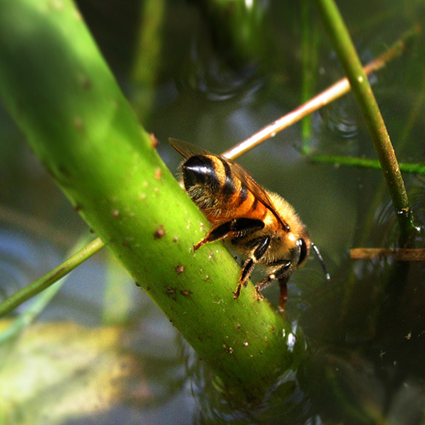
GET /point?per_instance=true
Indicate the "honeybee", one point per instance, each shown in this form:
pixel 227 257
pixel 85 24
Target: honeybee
pixel 259 224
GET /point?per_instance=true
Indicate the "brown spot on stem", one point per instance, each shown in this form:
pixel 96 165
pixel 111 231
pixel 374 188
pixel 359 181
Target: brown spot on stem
pixel 154 140
pixel 85 82
pixel 78 124
pixel 179 269
pixel 170 290
pixel 159 233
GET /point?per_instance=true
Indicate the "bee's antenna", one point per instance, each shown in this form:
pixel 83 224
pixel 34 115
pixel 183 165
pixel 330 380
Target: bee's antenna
pixel 319 256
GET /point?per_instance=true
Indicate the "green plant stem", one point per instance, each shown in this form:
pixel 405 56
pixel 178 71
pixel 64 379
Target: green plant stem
pixel 42 291
pixel 374 164
pixel 147 58
pixel 50 278
pixel 309 46
pixel 363 93
pixel 57 87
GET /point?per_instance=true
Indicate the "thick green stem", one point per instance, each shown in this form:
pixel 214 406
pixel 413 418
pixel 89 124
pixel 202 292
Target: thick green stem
pixel 59 90
pixel 362 91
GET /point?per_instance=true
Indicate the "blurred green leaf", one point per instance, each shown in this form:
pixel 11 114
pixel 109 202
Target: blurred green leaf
pixel 59 372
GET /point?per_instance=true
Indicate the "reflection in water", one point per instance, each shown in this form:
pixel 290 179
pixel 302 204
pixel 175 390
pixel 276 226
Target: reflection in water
pixel 367 339
pixel 223 60
pixel 343 387
pixel 22 260
pixel 284 402
pixel 60 370
pixel 206 72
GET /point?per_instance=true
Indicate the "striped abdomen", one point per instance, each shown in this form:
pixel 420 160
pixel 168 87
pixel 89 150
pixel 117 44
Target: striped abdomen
pixel 217 191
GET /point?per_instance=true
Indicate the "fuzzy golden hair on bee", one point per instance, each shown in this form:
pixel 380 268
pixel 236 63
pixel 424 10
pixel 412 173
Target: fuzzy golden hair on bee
pixel 261 225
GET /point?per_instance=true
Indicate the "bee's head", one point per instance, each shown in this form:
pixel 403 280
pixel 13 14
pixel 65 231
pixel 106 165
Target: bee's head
pixel 300 249
pixel 303 246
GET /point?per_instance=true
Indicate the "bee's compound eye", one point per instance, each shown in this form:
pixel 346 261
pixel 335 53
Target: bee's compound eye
pixel 303 251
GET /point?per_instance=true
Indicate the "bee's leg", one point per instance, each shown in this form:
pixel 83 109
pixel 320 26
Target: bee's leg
pixel 263 284
pixel 283 276
pixel 283 294
pixel 234 226
pixel 249 265
pixel 247 269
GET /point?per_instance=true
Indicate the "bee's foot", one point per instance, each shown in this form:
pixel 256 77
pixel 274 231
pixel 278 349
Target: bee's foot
pixel 281 310
pixel 199 244
pixel 258 295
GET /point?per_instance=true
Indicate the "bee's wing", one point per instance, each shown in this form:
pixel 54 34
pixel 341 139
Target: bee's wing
pixel 187 149
pixel 256 190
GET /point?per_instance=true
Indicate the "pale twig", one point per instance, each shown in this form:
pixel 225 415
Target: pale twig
pixel 332 93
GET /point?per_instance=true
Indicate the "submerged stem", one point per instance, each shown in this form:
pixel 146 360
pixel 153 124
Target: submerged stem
pixel 353 161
